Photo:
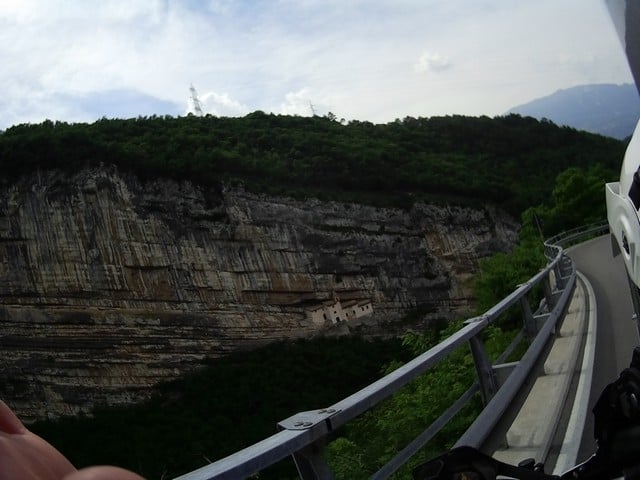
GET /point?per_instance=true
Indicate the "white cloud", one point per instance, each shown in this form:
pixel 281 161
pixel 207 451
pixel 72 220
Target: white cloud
pixel 221 105
pixel 297 103
pixel 431 62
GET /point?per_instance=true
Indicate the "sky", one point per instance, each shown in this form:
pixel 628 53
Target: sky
pixel 373 60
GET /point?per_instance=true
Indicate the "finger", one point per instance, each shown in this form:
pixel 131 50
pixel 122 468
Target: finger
pixel 9 423
pixel 27 456
pixel 103 473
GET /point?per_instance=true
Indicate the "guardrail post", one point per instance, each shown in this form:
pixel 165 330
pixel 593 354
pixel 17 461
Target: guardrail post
pixel 530 327
pixel 311 463
pixel 562 271
pixel 484 369
pixel 548 293
pixel 557 271
pixel 309 459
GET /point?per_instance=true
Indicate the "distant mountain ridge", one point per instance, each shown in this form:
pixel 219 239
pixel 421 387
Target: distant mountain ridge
pixel 606 109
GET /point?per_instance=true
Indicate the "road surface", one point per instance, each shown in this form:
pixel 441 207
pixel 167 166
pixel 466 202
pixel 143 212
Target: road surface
pixel 616 331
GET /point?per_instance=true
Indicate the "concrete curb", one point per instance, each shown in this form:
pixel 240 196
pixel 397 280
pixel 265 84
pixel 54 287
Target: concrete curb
pixel 570 446
pixel 534 427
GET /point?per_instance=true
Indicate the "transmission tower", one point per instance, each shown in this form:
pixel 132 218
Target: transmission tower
pixel 196 101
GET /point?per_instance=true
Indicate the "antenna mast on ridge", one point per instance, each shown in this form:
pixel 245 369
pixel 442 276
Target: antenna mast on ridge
pixel 196 101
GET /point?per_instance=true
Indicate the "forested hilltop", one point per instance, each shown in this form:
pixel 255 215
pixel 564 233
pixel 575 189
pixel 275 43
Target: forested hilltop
pixel 510 161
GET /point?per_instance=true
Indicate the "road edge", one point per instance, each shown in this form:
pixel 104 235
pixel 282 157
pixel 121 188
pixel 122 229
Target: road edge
pixel 573 435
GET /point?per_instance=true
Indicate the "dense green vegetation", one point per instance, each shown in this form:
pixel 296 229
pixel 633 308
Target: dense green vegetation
pixel 577 199
pixel 233 402
pixel 376 437
pixel 509 160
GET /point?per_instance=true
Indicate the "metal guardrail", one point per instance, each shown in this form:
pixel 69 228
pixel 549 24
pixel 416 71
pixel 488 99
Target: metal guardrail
pixel 304 435
pixel 578 234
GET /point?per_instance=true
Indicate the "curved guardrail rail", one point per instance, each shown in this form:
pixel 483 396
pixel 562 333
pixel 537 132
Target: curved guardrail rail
pixel 577 235
pixel 304 435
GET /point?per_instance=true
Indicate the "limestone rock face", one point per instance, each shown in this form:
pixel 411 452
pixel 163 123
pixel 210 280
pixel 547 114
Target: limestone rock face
pixel 109 285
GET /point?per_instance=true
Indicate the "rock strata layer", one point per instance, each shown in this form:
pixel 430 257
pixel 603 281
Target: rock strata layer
pixel 109 285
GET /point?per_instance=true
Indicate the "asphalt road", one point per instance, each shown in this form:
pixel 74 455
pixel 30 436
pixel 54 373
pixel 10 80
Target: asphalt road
pixel 616 331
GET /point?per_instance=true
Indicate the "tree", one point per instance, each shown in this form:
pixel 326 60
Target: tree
pixel 578 198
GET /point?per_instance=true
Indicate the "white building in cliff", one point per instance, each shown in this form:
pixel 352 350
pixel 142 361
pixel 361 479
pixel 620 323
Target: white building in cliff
pixel 335 311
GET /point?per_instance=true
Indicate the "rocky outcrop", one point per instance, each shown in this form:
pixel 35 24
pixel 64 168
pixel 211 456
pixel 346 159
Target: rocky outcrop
pixel 109 285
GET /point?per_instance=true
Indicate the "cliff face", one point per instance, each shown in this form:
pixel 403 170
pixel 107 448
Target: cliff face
pixel 109 285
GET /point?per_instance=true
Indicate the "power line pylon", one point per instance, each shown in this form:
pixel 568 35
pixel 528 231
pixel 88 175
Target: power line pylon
pixel 196 101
